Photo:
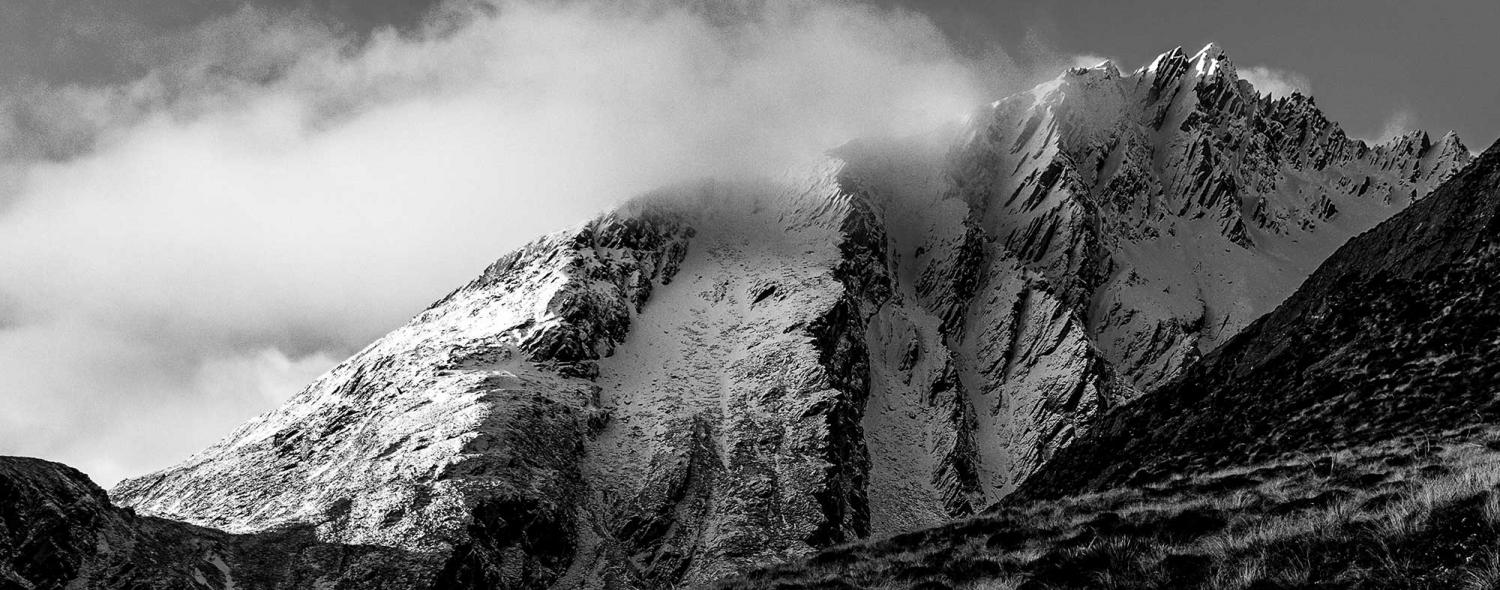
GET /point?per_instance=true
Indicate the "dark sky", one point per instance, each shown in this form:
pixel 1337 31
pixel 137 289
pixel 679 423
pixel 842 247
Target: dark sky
pixel 1367 60
pixel 101 41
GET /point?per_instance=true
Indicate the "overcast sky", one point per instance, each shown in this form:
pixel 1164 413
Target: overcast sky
pixel 1373 65
pixel 204 204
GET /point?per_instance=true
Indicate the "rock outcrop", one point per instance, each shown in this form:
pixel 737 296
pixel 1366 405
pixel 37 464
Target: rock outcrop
pixel 59 530
pixel 605 407
pixel 1346 440
pixel 722 375
pixel 1394 338
pixel 1172 206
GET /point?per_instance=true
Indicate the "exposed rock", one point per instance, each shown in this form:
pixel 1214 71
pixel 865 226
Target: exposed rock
pixel 1346 440
pixel 1394 338
pixel 59 530
pixel 1171 207
pixel 728 374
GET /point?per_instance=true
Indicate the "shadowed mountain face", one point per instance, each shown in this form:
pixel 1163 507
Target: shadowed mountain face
pixel 1346 440
pixel 1395 335
pixel 1170 207
pixel 59 530
pixel 729 374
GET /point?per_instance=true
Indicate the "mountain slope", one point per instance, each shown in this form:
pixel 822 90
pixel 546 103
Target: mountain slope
pixel 727 374
pixel 1185 203
pixel 488 409
pixel 1391 515
pixel 59 530
pixel 1392 337
pixel 1346 440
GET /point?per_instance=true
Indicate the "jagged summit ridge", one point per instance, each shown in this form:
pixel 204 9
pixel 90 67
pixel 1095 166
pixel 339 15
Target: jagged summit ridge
pixel 1391 340
pixel 1345 440
pixel 730 373
pixel 1182 176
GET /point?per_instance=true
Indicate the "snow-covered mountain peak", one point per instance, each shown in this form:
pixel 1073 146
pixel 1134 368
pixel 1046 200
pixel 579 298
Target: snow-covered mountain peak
pixel 1212 61
pixel 1174 69
pixel 1164 62
pixel 1181 174
pixel 1105 69
pixel 1210 51
pixel 728 373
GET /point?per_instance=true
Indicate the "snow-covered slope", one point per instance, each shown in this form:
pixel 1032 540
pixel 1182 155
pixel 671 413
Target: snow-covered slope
pixel 1185 203
pixel 1393 340
pixel 725 374
pixel 668 390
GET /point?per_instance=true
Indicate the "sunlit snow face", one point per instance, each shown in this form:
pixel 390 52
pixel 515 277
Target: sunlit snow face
pixel 253 227
pixel 205 198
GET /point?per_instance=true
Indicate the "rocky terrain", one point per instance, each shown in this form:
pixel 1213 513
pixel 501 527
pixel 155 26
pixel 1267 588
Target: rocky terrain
pixel 1411 512
pixel 1343 440
pixel 59 530
pixel 1346 440
pixel 722 375
pixel 1394 336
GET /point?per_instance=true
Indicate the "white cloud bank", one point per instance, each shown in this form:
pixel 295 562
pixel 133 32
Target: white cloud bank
pixel 1276 81
pixel 1399 123
pixel 1090 60
pixel 224 240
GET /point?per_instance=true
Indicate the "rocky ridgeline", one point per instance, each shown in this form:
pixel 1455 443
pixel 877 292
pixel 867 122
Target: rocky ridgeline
pixel 459 435
pixel 723 375
pixel 1392 339
pixel 664 393
pixel 1170 207
pixel 1081 243
pixel 59 530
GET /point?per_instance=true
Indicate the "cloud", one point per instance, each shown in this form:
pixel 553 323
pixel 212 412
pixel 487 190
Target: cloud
pixel 1281 82
pixel 269 375
pixel 1275 81
pixel 193 71
pixel 1399 123
pixel 112 403
pixel 1089 60
pixel 271 196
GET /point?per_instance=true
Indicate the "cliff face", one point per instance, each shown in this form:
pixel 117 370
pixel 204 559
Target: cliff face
pixel 1170 207
pixel 606 406
pixel 1348 439
pixel 1392 339
pixel 1083 242
pixel 722 375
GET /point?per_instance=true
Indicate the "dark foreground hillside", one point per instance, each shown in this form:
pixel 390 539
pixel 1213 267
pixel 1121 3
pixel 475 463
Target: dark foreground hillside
pixel 1343 441
pixel 1414 512
pixel 59 530
pixel 1395 335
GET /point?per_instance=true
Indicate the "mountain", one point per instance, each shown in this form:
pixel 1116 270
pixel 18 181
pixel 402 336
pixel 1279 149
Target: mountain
pixel 732 374
pixel 1393 337
pixel 722 375
pixel 59 530
pixel 1348 439
pixel 1187 204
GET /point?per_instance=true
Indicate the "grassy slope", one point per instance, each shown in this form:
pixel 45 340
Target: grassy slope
pixel 1411 513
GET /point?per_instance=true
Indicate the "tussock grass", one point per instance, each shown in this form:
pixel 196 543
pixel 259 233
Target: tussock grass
pixel 1419 513
pixel 1484 574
